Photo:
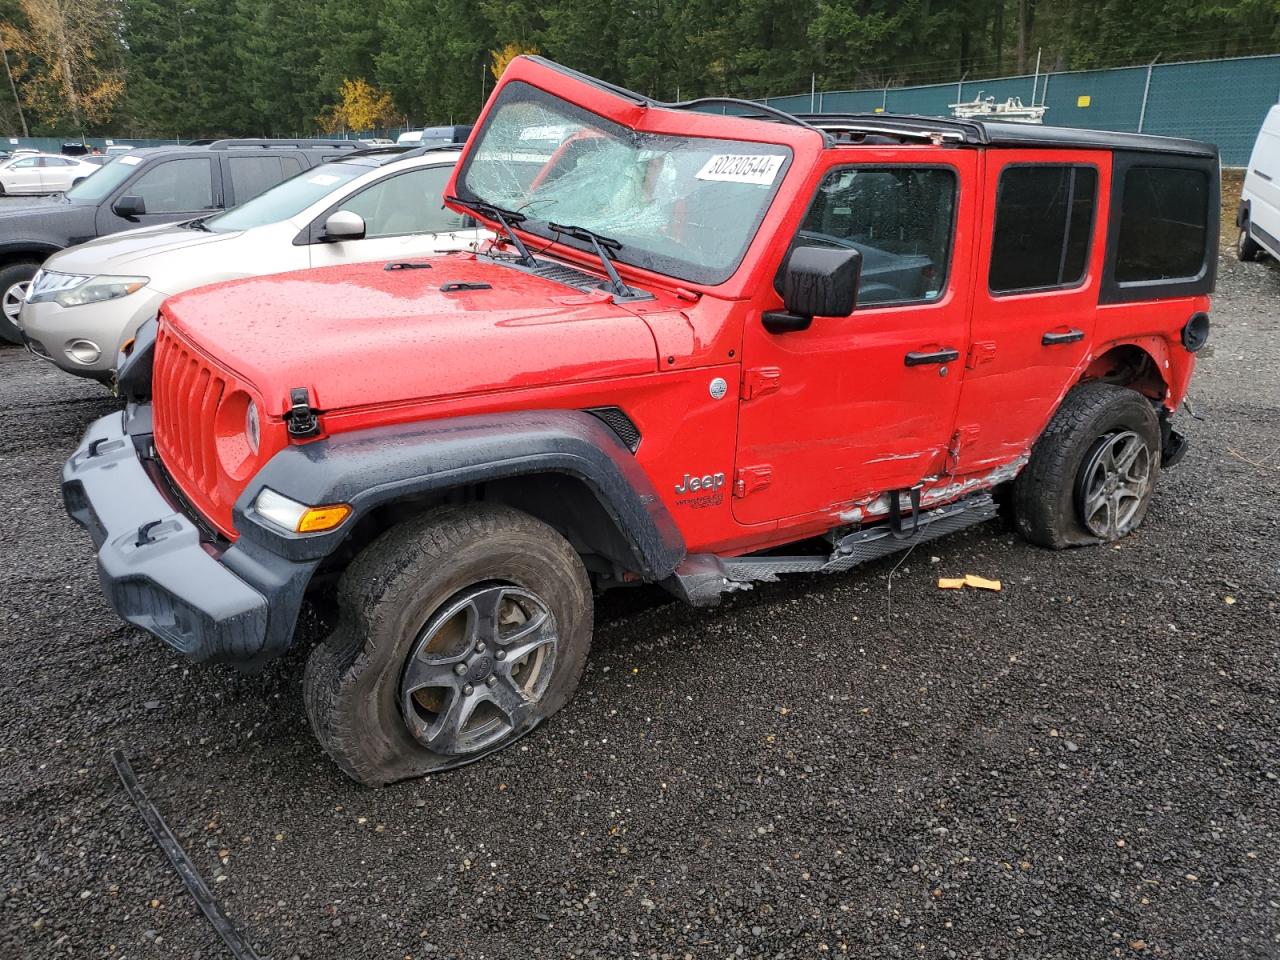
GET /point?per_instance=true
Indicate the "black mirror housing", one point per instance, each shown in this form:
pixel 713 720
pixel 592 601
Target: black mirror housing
pixel 129 206
pixel 816 282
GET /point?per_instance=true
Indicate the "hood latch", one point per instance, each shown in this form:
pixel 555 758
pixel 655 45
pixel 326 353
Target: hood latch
pixel 301 418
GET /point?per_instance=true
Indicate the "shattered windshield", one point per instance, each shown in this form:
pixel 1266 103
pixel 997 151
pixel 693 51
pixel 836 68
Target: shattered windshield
pixel 687 207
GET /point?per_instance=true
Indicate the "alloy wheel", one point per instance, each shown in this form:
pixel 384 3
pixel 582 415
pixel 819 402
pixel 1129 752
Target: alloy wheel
pixel 1115 481
pixel 477 669
pixel 13 298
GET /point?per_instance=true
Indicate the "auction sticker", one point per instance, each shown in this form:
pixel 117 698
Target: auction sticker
pixel 323 179
pixel 131 161
pixel 741 168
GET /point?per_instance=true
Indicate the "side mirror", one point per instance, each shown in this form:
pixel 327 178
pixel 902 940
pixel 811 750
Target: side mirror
pixel 343 225
pixel 816 282
pixel 130 206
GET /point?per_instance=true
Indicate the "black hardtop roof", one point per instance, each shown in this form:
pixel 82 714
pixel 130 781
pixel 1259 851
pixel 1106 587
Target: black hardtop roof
pixel 1003 134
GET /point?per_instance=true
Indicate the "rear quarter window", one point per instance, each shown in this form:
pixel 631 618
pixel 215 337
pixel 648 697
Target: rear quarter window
pixel 1164 220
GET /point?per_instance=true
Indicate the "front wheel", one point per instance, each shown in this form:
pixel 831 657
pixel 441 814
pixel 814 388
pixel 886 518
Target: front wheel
pixel 14 280
pixel 460 631
pixel 1092 472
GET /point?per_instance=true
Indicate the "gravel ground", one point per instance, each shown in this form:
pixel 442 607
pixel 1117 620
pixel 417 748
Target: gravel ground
pixel 1083 765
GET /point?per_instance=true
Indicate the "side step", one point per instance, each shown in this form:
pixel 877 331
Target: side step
pixel 702 578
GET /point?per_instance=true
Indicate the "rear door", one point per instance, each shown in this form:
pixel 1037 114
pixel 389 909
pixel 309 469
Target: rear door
pixel 1036 296
pixel 250 174
pixel 1262 184
pixel 404 216
pixel 857 406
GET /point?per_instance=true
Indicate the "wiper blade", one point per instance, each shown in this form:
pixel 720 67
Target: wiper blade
pixel 602 245
pixel 504 217
pixel 198 224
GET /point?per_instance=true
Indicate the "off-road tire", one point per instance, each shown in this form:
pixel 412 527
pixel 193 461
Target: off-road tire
pixel 1044 494
pixel 351 685
pixel 11 274
pixel 1247 248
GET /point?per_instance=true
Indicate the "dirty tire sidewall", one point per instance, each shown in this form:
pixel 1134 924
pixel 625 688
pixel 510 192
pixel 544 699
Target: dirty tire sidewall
pixel 14 273
pixel 1044 493
pixel 390 591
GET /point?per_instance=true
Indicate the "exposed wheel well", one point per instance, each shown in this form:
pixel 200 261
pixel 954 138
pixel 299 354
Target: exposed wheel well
pixel 1129 366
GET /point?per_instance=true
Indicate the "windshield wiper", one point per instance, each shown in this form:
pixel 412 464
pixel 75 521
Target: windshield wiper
pixel 504 217
pixel 197 224
pixel 602 245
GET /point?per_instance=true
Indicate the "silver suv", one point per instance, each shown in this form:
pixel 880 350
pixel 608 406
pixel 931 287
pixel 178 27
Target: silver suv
pixel 383 204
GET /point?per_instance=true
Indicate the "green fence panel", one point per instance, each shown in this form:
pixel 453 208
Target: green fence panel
pixel 1220 101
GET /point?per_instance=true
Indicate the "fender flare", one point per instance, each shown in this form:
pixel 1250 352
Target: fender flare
pixel 382 465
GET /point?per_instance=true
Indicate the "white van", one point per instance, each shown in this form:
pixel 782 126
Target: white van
pixel 435 136
pixel 1258 215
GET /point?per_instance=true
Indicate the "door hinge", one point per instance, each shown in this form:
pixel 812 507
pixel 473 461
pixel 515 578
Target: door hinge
pixel 748 480
pixel 760 381
pixel 980 351
pixel 301 418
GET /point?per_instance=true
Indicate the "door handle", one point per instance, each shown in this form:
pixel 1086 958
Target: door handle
pixel 1057 337
pixel 918 358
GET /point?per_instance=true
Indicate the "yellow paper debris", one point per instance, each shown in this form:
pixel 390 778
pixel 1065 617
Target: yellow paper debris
pixel 982 583
pixel 950 583
pixel 1229 600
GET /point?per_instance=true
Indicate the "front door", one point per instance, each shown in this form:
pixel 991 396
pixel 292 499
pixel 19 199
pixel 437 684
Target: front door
pixel 404 217
pixel 181 188
pixel 1036 302
pixel 23 176
pixel 856 406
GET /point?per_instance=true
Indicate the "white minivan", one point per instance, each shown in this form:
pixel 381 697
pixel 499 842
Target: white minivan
pixel 1258 215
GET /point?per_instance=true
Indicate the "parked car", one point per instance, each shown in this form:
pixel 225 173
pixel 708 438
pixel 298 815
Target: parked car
pixel 146 186
pixel 386 204
pixel 645 380
pixel 115 149
pixel 42 173
pixel 435 136
pixel 97 159
pixel 1258 214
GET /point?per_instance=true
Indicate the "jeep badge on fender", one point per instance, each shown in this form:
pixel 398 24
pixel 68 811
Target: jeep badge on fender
pixel 708 481
pixel 494 437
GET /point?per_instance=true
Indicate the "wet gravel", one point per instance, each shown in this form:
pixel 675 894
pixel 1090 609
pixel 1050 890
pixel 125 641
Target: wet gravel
pixel 1083 765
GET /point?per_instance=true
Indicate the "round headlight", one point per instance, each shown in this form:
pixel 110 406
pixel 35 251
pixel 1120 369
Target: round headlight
pixel 251 427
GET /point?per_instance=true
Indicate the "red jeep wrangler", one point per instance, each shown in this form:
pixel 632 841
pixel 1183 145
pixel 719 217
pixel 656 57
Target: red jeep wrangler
pixel 705 351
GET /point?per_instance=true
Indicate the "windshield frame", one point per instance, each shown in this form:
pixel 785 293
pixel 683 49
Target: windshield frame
pixel 681 270
pixel 91 189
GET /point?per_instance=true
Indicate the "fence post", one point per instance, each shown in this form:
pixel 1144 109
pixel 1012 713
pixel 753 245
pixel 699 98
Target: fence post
pixel 1146 89
pixel 813 91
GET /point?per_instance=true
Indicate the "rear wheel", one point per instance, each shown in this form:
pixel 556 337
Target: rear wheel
pixel 1247 249
pixel 1092 472
pixel 14 280
pixel 460 631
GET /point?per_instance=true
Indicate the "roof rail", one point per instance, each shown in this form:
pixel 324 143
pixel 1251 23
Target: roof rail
pixel 267 143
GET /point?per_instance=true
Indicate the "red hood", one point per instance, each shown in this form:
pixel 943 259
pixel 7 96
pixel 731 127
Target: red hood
pixel 362 335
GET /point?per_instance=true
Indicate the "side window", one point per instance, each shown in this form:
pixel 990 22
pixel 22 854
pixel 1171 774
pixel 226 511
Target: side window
pixel 901 219
pixel 1044 218
pixel 410 202
pixel 26 164
pixel 1164 217
pixel 250 176
pixel 175 186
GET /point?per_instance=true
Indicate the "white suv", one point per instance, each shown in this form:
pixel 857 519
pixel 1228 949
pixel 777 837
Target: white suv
pixel 384 204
